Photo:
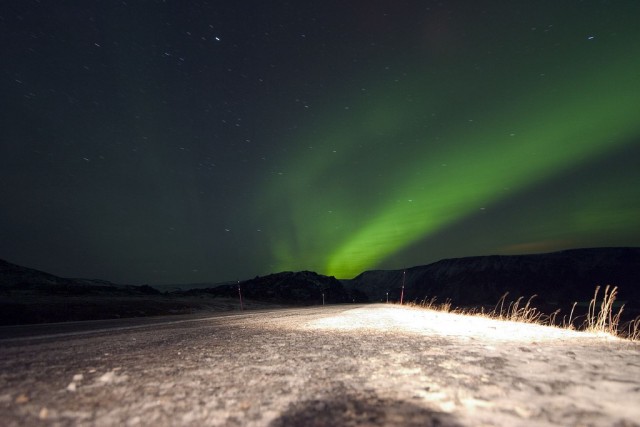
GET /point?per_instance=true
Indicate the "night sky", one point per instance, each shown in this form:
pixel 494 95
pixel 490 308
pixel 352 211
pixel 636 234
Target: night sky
pixel 190 141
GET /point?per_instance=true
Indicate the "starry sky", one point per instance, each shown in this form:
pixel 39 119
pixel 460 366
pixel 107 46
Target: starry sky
pixel 149 141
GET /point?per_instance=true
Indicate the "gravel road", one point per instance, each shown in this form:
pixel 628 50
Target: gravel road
pixel 375 365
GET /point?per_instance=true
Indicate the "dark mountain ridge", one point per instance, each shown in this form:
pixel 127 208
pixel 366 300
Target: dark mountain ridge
pixel 17 279
pixel 558 279
pixel 303 287
pixel 33 296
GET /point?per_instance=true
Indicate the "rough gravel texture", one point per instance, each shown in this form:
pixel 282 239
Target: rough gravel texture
pixel 337 365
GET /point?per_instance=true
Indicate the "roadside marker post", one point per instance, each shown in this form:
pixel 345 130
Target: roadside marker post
pixel 404 273
pixel 240 295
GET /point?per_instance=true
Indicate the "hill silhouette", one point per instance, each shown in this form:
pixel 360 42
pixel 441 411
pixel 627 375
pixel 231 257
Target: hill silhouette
pixel 558 279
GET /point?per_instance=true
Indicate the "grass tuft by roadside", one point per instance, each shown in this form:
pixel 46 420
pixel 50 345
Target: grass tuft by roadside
pixel 601 318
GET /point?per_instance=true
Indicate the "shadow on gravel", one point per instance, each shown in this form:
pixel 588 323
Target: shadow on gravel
pixel 355 411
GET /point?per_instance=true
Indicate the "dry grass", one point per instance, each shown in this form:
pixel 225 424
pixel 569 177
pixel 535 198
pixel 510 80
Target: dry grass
pixel 600 318
pixel 603 320
pixel 632 331
pixel 516 313
pixel 431 304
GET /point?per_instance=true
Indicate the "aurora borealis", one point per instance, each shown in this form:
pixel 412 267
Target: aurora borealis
pixel 159 142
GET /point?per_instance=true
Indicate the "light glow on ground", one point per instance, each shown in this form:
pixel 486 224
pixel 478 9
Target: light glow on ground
pixel 429 322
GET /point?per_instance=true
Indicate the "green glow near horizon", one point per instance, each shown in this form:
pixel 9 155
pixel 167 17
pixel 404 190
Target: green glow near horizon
pixel 351 202
pixel 549 139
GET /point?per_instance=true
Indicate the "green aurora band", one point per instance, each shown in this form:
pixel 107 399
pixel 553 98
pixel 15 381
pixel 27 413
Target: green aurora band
pixel 411 158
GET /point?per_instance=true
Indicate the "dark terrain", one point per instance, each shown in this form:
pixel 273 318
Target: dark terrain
pixel 558 279
pixel 30 296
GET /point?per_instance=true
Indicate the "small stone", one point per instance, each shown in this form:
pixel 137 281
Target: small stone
pixel 112 378
pixel 22 399
pixel 72 387
pixel 44 413
pixel 78 377
pixel 107 378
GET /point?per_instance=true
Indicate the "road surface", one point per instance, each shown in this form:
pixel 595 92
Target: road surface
pixel 375 365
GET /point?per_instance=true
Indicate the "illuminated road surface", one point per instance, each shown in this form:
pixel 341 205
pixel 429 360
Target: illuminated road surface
pixel 323 366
